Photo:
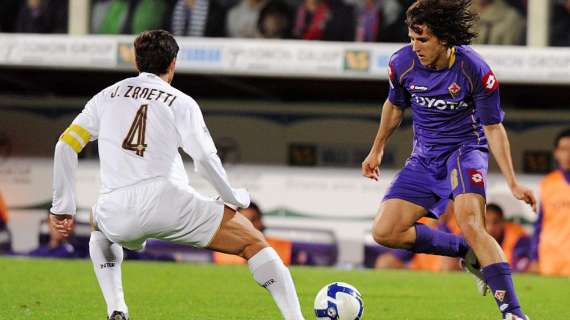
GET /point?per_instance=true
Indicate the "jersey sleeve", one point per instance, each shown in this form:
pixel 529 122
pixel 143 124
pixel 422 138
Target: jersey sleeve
pixel 486 94
pixel 194 136
pixel 397 94
pixel 85 127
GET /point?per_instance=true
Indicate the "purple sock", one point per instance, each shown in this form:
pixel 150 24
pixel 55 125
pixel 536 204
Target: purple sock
pixel 439 243
pixel 498 277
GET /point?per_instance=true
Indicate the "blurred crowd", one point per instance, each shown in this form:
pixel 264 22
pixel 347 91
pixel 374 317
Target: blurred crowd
pixel 502 22
pixel 545 251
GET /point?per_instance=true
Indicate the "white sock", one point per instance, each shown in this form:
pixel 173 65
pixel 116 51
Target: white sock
pixel 107 258
pixel 269 272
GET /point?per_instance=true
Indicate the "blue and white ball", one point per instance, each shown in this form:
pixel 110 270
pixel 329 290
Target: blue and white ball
pixel 338 301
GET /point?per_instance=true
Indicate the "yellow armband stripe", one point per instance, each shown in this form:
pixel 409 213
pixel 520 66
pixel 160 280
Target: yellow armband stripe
pixel 76 137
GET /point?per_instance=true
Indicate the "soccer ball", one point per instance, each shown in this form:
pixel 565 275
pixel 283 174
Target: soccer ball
pixel 338 301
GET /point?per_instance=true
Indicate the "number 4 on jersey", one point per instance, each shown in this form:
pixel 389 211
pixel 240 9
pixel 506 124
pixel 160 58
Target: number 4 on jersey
pixel 134 140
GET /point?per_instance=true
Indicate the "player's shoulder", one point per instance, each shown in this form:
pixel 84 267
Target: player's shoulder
pixel 183 100
pixel 471 59
pixel 402 58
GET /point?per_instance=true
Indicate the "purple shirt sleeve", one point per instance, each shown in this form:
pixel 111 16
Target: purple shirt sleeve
pixel 522 254
pixel 486 94
pixel 397 94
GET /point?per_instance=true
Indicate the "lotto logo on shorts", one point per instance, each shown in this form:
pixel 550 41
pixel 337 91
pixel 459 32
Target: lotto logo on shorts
pixel 476 177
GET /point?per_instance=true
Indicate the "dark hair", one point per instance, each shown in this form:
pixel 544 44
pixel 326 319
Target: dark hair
pixel 451 21
pixel 154 51
pixel 254 206
pixel 563 134
pixel 496 208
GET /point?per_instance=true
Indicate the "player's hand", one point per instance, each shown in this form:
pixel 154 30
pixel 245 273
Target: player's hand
pixel 525 194
pixel 62 223
pixel 371 165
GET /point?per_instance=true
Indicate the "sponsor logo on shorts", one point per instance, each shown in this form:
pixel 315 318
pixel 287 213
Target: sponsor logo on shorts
pixel 504 307
pixel 500 295
pixel 476 177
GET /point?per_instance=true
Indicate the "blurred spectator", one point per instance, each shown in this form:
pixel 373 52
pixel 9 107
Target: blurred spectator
pixel 129 16
pixel 198 18
pixel 56 246
pixel 254 214
pixel 275 21
pixel 42 16
pixel 324 20
pixel 499 23
pixel 5 235
pixel 551 241
pixel 560 25
pixel 511 237
pixel 520 5
pixel 242 19
pixel 381 20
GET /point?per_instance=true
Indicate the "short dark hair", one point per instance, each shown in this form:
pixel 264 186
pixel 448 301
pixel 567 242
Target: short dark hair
pixel 496 208
pixel 563 134
pixel 154 51
pixel 451 21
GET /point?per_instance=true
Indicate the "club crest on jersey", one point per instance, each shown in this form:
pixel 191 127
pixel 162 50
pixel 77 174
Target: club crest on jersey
pixel 500 295
pixel 490 82
pixel 476 177
pixel 454 89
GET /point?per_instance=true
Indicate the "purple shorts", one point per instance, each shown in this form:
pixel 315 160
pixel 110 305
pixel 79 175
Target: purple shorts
pixel 432 182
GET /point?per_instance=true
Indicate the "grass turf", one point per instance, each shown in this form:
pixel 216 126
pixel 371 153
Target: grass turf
pixel 56 289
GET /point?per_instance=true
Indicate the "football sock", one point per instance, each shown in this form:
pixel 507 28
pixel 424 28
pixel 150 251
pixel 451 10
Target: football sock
pixel 498 277
pixel 438 242
pixel 107 258
pixel 269 272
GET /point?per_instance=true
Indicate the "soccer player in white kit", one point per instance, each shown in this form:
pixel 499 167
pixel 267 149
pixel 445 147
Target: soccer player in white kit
pixel 140 123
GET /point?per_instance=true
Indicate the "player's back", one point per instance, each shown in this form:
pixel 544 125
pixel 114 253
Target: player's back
pixel 138 138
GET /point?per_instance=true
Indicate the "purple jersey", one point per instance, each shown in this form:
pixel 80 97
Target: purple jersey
pixel 449 106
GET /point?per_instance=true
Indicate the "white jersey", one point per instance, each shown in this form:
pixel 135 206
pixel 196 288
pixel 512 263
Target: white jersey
pixel 140 123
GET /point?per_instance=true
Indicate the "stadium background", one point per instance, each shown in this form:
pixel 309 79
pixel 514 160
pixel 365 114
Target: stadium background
pixel 292 119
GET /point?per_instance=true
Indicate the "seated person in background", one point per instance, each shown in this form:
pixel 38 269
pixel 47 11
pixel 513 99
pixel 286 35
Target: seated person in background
pixel 399 259
pixel 56 247
pixel 241 21
pixel 510 236
pixel 5 236
pixel 275 21
pixel 42 16
pixel 381 21
pixel 328 20
pixel 198 18
pixel 129 16
pixel 254 214
pixel 551 240
pixel 498 24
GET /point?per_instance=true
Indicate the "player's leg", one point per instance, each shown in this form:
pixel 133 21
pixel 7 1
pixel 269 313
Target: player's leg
pixel 395 226
pixel 413 194
pixel 236 235
pixel 468 168
pixel 107 258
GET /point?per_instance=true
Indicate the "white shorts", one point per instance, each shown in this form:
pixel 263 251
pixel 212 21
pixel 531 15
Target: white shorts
pixel 157 209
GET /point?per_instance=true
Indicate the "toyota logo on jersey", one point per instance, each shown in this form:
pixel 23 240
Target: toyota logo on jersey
pixel 490 82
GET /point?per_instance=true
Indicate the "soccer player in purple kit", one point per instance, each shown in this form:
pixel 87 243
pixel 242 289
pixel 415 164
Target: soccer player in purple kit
pixel 456 112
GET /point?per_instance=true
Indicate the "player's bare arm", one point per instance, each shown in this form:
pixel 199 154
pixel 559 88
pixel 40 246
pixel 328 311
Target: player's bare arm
pixel 390 120
pixel 500 147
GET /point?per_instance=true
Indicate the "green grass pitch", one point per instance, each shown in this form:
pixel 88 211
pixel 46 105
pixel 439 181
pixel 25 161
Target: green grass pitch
pixel 50 289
